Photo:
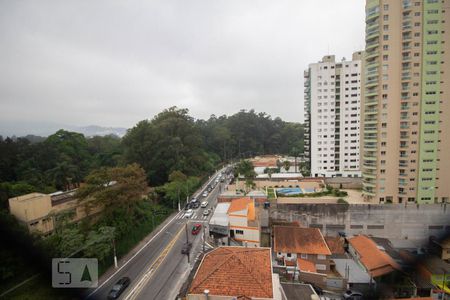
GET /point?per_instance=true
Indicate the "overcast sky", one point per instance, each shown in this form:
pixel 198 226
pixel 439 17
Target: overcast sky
pixel 113 63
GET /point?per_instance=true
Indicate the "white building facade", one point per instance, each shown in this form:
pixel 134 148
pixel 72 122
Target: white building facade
pixel 332 107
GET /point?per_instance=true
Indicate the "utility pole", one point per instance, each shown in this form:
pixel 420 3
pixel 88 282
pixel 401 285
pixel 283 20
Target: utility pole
pixel 187 242
pixel 204 237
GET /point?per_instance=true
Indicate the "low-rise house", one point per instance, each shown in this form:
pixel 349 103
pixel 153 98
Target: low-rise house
pixel 441 247
pixel 219 224
pixel 243 222
pixel 237 221
pixel 305 247
pixel 228 273
pixel 375 260
pixel 43 212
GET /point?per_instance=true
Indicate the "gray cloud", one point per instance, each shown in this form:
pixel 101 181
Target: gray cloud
pixel 117 62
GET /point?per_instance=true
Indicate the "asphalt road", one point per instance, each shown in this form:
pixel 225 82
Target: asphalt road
pixel 159 269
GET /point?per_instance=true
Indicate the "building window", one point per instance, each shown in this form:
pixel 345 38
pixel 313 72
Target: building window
pixel 239 231
pixel 289 255
pixel 321 267
pixel 321 257
pixel 304 256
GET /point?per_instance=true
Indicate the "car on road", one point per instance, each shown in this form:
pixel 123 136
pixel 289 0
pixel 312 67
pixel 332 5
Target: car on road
pixel 204 204
pixel 186 248
pixel 206 212
pixel 205 193
pixel 196 229
pixel 188 213
pixel 352 295
pixel 119 287
pixel 187 206
pixel 195 205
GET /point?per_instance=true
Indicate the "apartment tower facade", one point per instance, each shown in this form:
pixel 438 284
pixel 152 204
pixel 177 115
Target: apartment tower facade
pixel 332 116
pixel 405 136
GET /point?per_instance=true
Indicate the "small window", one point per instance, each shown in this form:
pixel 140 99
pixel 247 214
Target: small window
pixel 304 256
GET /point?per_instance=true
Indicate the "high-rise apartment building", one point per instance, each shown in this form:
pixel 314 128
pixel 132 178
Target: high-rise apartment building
pixel 332 108
pixel 405 139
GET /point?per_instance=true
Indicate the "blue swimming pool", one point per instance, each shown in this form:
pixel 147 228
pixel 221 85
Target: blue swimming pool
pixel 290 191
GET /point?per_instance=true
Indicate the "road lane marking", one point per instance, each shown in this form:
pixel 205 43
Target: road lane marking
pixel 126 263
pixel 153 267
pixel 180 213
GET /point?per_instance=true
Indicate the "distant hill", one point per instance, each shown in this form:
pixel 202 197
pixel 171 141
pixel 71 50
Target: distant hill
pixel 93 130
pixel 44 129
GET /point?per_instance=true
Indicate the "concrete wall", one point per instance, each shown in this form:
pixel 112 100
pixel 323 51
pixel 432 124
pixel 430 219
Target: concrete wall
pixel 393 221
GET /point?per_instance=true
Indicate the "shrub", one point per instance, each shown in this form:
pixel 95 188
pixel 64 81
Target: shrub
pixel 341 201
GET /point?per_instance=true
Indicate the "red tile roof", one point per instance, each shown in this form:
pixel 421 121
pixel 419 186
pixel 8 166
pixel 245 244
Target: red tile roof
pixel 306 265
pixel 235 271
pixel 290 239
pixel 335 244
pixel 239 204
pixel 376 261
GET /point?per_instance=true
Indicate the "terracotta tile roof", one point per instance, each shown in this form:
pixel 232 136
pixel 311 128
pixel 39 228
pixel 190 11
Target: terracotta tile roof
pixel 376 261
pixel 235 271
pixel 290 239
pixel 239 204
pixel 335 244
pixel 306 265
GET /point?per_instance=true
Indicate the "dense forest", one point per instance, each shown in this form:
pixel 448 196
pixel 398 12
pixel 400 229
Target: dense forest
pixel 172 154
pixel 171 141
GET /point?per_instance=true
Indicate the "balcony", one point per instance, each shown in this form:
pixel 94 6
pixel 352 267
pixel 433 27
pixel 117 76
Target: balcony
pixel 371 111
pixel 372 15
pixel 407 37
pixel 372 45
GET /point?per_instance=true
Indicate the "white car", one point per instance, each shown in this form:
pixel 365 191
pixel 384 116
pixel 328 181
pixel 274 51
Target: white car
pixel 188 213
pixel 204 204
pixel 205 193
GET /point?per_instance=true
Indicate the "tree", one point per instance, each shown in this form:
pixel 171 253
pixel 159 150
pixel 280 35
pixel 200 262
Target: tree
pixel 170 141
pixel 245 168
pixel 63 175
pixel 70 241
pixel 99 242
pixel 111 188
pixel 286 165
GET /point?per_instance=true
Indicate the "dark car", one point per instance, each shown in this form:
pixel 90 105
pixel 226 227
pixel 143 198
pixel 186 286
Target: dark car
pixel 188 206
pixel 352 295
pixel 318 290
pixel 119 287
pixel 196 229
pixel 195 204
pixel 186 248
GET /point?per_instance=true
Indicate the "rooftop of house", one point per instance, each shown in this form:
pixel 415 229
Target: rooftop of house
pixel 245 205
pixel 435 265
pixel 239 204
pixel 306 265
pixel 291 239
pixel 375 260
pixel 220 216
pixel 335 244
pixel 235 271
pixel 27 197
pixel 295 291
